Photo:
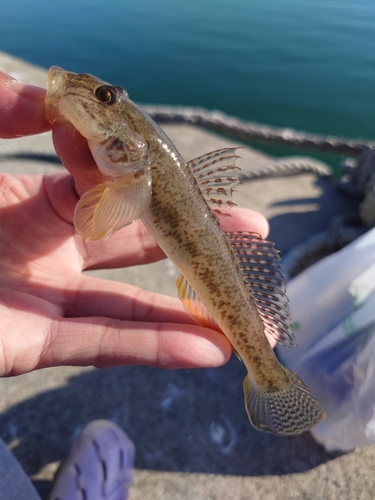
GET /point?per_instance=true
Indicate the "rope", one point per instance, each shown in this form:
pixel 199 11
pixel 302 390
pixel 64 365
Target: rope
pixel 251 131
pixel 342 230
pixel 287 166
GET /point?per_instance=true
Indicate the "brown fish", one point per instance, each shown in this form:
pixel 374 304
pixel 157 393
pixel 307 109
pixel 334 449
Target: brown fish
pixel 231 282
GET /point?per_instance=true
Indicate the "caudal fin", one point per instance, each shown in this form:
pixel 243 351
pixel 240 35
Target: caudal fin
pixel 287 411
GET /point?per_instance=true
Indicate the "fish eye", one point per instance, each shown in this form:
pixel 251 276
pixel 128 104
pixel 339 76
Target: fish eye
pixel 106 94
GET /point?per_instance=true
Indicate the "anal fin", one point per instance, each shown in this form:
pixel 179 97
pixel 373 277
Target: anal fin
pixel 195 308
pixel 193 305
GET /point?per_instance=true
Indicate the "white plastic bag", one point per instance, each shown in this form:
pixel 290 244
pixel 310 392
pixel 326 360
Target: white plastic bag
pixel 333 309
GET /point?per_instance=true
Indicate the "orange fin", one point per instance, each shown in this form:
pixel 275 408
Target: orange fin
pixel 193 305
pixel 110 206
pixel 260 265
pixel 195 308
pixel 216 176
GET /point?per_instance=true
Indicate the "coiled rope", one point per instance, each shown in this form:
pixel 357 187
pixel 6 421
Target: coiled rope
pixel 251 131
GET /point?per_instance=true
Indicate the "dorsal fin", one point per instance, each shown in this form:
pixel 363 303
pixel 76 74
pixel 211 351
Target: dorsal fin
pixel 260 265
pixel 216 176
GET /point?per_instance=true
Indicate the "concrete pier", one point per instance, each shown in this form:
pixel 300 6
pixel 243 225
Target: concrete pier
pixel 192 436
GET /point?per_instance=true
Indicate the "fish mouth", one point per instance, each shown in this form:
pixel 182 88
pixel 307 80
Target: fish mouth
pixel 55 90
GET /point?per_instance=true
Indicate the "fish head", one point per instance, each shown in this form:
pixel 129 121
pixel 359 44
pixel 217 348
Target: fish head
pixel 86 101
pixel 99 111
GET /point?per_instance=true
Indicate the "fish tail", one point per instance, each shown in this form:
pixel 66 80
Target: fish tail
pixel 289 410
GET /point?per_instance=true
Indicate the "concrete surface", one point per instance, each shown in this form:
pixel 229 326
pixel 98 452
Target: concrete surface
pixel 192 436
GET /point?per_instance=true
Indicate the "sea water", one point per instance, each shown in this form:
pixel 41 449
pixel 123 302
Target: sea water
pixel 296 63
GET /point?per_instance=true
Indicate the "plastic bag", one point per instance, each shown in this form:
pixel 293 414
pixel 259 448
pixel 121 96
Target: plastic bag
pixel 333 309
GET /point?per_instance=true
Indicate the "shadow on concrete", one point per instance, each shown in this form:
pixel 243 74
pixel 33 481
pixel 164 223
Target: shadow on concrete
pixel 293 227
pixel 188 420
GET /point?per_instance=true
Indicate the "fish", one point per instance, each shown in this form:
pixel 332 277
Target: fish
pixel 231 282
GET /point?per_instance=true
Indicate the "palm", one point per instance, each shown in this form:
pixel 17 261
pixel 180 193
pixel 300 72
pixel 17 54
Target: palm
pixel 45 296
pixel 53 314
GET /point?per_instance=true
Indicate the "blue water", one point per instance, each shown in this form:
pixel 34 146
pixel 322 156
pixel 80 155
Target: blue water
pixel 296 63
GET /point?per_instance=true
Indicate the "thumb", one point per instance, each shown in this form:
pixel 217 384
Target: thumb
pixel 21 108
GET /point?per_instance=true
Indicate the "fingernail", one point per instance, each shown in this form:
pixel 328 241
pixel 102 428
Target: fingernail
pixel 25 90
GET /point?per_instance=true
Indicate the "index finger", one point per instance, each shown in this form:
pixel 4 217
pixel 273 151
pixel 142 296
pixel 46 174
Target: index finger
pixel 22 108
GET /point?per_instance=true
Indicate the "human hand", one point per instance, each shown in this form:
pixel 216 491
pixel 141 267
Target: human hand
pixel 50 312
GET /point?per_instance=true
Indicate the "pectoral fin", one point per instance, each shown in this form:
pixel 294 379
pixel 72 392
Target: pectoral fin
pixel 84 211
pixel 110 206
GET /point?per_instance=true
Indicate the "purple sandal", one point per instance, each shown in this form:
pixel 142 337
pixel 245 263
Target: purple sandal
pixel 99 465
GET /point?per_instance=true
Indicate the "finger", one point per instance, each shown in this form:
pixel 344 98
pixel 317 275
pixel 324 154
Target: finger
pixel 131 246
pixel 76 156
pixel 22 108
pixel 121 301
pixel 244 219
pixel 99 297
pixel 107 342
pixel 61 194
pixel 134 245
